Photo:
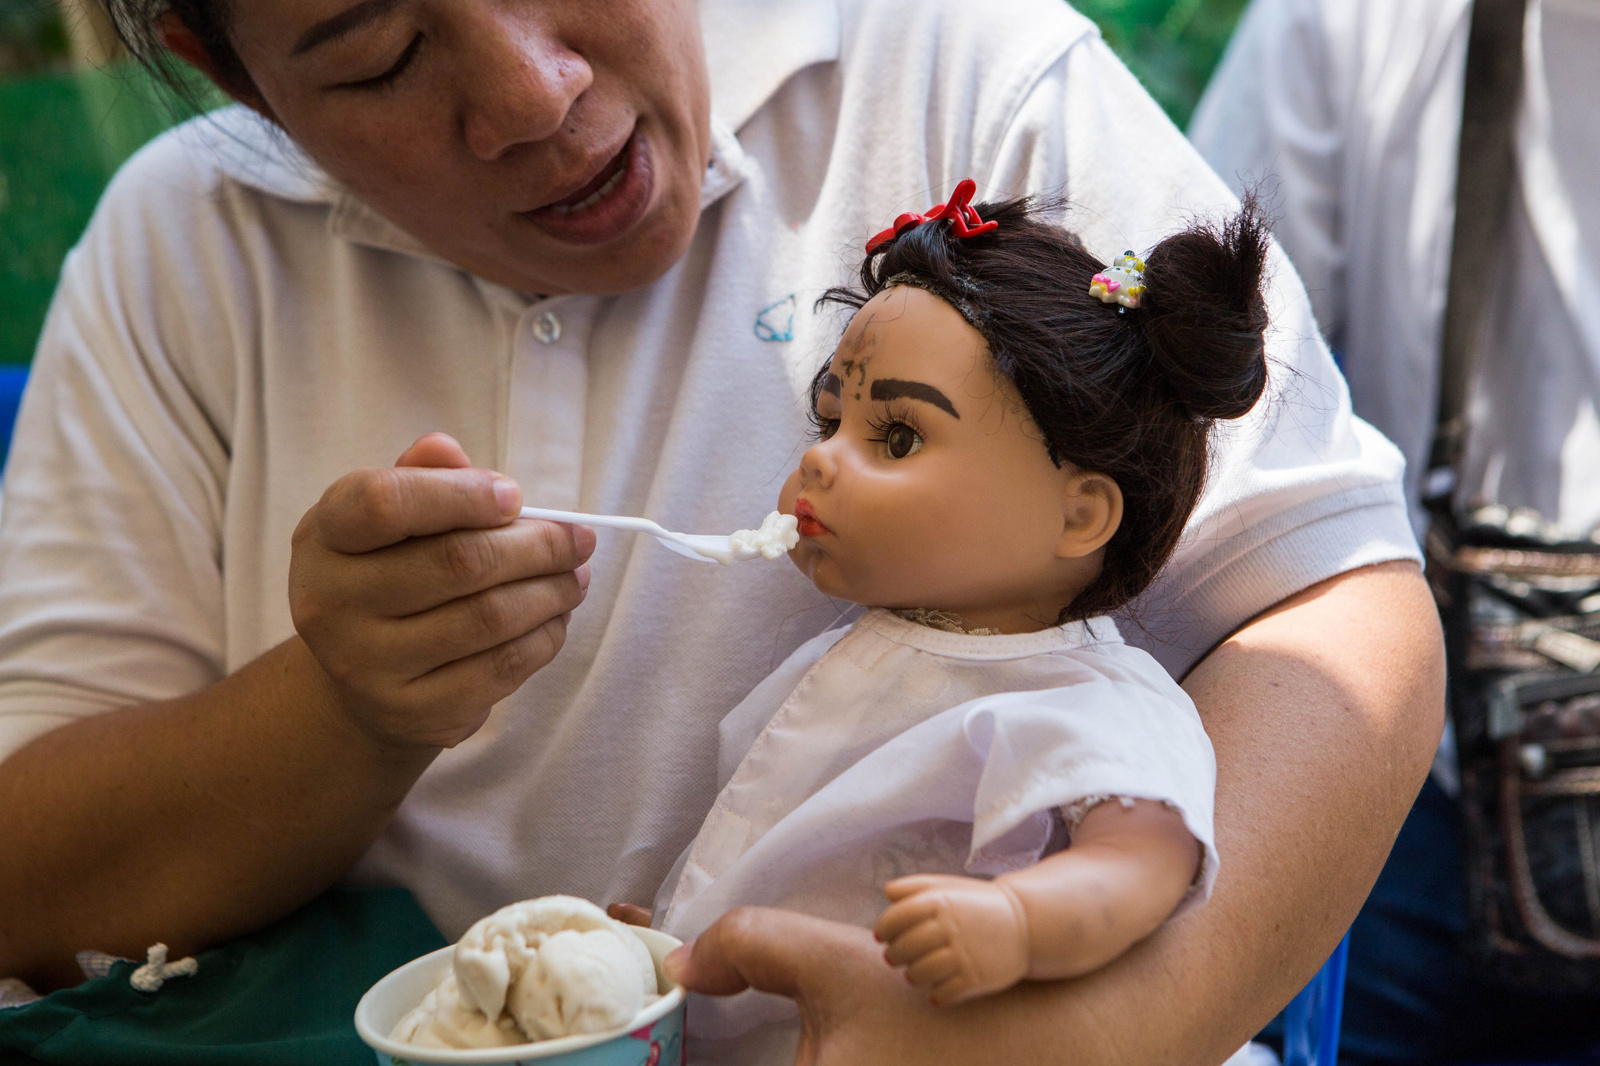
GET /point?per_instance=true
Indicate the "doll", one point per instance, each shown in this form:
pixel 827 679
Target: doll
pixel 1010 439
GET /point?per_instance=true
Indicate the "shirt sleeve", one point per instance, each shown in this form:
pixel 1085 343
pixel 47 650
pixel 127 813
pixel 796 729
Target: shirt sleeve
pixel 114 489
pixel 1299 490
pixel 1127 731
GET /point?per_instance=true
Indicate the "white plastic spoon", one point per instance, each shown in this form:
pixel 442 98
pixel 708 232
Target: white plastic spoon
pixel 776 532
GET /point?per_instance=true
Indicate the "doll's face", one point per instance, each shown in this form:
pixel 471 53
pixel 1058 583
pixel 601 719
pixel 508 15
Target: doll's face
pixel 931 487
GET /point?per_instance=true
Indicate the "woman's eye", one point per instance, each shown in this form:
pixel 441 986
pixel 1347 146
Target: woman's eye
pixel 901 441
pixel 395 69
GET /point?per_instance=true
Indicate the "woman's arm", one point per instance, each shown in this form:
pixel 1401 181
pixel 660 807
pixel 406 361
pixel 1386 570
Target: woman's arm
pixel 1324 713
pixel 419 603
pixel 1065 916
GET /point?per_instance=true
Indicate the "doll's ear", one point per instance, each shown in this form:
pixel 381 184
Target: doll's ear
pixel 1091 511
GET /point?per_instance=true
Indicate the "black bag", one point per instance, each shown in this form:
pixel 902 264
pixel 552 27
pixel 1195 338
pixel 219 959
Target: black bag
pixel 1521 610
pixel 1523 635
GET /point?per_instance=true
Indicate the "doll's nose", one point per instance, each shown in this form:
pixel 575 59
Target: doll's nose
pixel 819 465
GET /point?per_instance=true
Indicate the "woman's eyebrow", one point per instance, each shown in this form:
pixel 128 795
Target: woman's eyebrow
pixel 342 23
pixel 894 389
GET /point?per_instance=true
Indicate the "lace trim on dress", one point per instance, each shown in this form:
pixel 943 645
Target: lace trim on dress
pixel 943 621
pixel 1067 819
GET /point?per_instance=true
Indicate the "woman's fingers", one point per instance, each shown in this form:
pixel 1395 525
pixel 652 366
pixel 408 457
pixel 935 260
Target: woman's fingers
pixel 478 681
pixel 425 572
pixel 630 914
pixel 371 509
pixel 473 624
pixel 434 449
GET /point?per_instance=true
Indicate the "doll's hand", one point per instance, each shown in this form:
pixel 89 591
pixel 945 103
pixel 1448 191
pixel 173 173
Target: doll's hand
pixel 958 937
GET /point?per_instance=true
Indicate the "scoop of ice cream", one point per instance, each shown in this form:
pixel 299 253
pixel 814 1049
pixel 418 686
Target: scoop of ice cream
pixel 779 533
pixel 543 968
pixel 578 983
pixel 443 1019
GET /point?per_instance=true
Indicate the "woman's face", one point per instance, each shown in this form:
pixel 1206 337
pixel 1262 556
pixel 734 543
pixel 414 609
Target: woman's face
pixel 548 145
pixel 931 487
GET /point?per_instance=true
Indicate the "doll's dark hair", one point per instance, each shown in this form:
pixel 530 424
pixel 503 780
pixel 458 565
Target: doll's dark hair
pixel 1131 395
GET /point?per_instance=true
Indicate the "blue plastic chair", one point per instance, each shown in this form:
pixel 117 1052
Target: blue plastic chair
pixel 1311 1020
pixel 12 379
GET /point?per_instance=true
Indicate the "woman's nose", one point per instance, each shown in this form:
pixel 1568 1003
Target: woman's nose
pixel 522 83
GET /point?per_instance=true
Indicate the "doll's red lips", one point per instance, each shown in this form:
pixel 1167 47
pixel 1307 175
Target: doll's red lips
pixel 810 525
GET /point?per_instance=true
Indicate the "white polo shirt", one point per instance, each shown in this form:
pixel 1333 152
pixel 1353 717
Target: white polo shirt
pixel 234 333
pixel 1352 111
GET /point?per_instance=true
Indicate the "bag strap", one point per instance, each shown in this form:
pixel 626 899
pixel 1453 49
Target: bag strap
pixel 1487 165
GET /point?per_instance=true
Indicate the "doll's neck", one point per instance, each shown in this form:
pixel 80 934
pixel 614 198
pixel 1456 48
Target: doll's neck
pixel 943 621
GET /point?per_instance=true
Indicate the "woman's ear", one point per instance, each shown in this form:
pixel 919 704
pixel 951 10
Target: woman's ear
pixel 182 42
pixel 1091 511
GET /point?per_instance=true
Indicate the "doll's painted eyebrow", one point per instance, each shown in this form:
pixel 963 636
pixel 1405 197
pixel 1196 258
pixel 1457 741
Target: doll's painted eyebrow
pixel 894 389
pixel 832 384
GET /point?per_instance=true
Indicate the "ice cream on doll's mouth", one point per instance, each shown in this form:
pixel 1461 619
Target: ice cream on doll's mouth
pixel 810 524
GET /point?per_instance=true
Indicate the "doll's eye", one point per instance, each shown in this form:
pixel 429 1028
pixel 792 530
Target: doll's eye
pixel 901 441
pixel 823 428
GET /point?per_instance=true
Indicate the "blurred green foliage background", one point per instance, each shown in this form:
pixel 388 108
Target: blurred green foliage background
pixel 66 125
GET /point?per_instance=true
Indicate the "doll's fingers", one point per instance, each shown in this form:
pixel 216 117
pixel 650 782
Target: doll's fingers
pixel 916 942
pixel 905 915
pixel 934 967
pixel 953 990
pixel 901 887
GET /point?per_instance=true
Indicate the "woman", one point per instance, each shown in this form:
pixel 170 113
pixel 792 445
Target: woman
pixel 573 237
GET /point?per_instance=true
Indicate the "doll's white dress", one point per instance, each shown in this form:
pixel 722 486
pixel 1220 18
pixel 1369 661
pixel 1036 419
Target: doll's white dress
pixel 888 748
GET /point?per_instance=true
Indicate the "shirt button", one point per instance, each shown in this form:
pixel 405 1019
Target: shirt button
pixel 547 328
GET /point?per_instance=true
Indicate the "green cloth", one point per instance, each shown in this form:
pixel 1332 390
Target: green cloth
pixel 282 997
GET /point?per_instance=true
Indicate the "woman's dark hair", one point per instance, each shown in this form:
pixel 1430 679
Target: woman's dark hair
pixel 138 23
pixel 1129 395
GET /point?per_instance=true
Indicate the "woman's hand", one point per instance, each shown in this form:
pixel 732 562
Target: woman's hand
pixel 424 599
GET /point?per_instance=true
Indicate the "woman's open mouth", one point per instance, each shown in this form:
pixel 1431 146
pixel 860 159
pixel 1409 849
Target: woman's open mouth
pixel 608 205
pixel 809 524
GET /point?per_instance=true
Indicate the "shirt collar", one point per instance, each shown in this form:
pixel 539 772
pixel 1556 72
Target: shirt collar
pixel 752 48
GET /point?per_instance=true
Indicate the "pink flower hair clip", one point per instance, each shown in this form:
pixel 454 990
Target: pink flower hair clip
pixel 964 221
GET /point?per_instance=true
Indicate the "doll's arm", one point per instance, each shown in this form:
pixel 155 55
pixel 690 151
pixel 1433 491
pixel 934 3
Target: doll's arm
pixel 1069 914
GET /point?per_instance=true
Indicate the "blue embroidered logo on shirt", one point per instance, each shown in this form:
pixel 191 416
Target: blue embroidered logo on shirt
pixel 768 317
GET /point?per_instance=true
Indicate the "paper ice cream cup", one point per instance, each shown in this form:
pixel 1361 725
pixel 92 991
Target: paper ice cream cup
pixel 654 1038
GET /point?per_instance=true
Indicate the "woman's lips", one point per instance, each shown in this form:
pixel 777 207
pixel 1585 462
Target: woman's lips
pixel 608 206
pixel 810 525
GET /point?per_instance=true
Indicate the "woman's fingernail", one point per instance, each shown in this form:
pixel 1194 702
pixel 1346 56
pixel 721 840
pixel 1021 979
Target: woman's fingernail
pixel 583 575
pixel 507 496
pixel 583 540
pixel 676 962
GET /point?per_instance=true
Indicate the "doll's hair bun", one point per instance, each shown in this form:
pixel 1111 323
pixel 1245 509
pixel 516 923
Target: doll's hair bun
pixel 1205 317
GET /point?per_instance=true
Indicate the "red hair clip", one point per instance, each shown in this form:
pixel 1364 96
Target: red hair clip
pixel 964 221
